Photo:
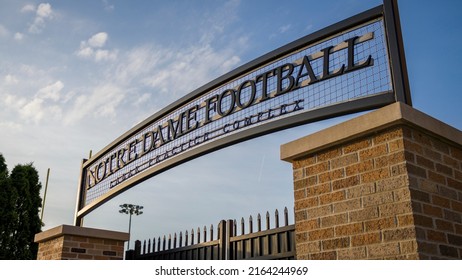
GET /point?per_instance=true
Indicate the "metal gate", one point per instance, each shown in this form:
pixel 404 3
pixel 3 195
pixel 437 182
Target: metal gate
pixel 277 243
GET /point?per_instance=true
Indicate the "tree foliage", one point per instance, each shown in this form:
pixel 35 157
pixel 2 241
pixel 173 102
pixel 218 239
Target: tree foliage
pixel 20 203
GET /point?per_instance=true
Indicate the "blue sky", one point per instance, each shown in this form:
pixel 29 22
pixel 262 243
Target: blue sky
pixel 74 75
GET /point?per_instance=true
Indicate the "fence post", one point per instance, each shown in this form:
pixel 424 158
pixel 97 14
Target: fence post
pixel 129 255
pixel 223 243
pixel 134 254
pixel 229 233
pixel 137 248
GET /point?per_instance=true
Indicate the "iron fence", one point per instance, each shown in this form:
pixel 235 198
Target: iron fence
pixel 253 243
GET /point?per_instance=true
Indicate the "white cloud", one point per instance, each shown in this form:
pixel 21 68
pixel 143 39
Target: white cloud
pixel 139 63
pixel 92 48
pixel 102 102
pixel 33 110
pixel 27 97
pixel 37 26
pixel 281 30
pixel 108 7
pixel 30 70
pixel 84 51
pixel 44 12
pixel 169 72
pixel 28 8
pixel 142 99
pixel 42 105
pixel 10 126
pixel 4 31
pixel 174 72
pixel 98 40
pixel 218 21
pixel 52 91
pixel 13 102
pixel 231 62
pixel 18 36
pixel 102 55
pixel 184 70
pixel 284 28
pixel 11 80
pixel 68 96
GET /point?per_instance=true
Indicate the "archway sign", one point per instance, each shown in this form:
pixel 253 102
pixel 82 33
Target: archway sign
pixel 354 65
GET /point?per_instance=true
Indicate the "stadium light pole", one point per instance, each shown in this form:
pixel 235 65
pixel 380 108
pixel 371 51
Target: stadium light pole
pixel 130 209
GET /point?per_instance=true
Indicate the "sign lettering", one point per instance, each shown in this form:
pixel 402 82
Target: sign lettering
pixel 229 101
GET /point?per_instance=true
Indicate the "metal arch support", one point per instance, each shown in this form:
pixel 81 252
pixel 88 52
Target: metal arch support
pixel 396 49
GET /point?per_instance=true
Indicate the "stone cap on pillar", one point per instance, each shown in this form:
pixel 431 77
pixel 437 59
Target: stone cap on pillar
pixel 80 231
pixel 388 116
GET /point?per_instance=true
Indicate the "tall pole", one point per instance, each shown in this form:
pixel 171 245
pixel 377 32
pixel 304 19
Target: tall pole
pixel 130 209
pixel 44 196
pixel 129 230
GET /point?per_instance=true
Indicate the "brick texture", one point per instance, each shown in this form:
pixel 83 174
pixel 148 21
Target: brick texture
pixel 394 194
pixel 68 247
pixel 436 191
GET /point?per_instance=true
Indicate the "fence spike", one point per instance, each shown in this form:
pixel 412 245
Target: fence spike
pixel 192 236
pixel 242 226
pixel 211 232
pixel 144 247
pixel 221 233
pixel 174 241
pixel 149 245
pixel 231 228
pixel 286 216
pixel 164 243
pixel 234 228
pixel 158 244
pixel 153 244
pixel 205 234
pixel 259 222
pixel 186 238
pixel 267 220
pixel 250 224
pixel 198 235
pixel 276 218
pixel 170 241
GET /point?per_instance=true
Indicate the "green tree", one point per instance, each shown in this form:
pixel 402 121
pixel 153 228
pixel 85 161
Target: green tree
pixel 19 211
pixel 7 214
pixel 3 199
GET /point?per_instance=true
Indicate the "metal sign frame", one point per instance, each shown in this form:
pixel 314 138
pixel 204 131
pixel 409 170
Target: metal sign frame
pixel 95 169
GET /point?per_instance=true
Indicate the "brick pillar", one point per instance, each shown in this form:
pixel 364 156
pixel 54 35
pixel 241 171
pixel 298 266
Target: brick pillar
pixel 78 243
pixel 385 185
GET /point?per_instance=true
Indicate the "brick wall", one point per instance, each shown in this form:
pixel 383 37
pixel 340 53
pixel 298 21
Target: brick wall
pixel 51 249
pixel 76 243
pixel 382 187
pixel 435 175
pixel 353 201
